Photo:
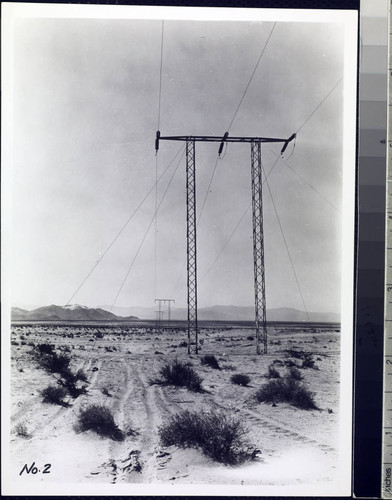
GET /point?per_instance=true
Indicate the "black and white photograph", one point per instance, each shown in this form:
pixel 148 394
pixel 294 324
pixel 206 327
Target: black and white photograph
pixel 178 199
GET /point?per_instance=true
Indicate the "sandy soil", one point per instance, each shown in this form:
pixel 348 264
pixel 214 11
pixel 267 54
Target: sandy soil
pixel 297 446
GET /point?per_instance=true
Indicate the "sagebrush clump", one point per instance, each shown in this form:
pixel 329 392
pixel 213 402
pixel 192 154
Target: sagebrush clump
pixel 52 362
pixel 54 395
pixel 240 379
pixel 218 435
pixel 272 372
pixel 21 430
pixel 295 374
pixel 99 418
pixel 211 361
pixel 286 390
pixel 305 356
pixel 180 375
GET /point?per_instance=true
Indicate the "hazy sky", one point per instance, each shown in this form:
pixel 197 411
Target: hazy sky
pixel 86 95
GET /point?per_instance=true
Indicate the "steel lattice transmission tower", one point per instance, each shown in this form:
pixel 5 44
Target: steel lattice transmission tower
pixel 193 333
pixel 258 236
pixel 258 247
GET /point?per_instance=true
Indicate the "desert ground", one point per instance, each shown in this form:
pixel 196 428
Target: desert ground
pixel 296 446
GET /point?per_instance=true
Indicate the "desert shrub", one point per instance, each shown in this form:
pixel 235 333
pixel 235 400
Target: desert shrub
pixel 308 361
pixel 21 430
pixel 69 382
pixel 54 363
pixel 286 390
pixel 272 372
pixel 45 348
pixel 81 375
pixel 240 379
pixel 181 375
pixel 295 374
pixel 99 335
pixel 54 395
pixel 99 419
pixel 14 342
pixel 290 363
pixel 305 356
pixel 217 435
pixel 211 361
pixel 105 391
pixel 295 353
pixel 250 337
pixel 183 344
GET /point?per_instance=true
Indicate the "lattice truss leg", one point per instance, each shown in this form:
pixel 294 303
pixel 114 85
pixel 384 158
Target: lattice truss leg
pixel 193 342
pixel 258 248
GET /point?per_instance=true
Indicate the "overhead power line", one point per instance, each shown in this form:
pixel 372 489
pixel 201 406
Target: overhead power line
pixel 123 227
pixel 156 168
pixel 322 101
pixel 304 180
pixel 160 79
pixel 287 249
pixel 234 230
pixel 208 190
pixel 145 234
pixel 251 77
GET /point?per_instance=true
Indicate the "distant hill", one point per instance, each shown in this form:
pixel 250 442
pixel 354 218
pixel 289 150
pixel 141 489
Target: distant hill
pixel 230 313
pixel 66 313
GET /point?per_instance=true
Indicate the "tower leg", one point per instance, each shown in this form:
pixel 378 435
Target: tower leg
pixel 193 345
pixel 258 248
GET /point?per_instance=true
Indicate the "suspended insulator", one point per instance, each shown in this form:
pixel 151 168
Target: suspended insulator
pixel 287 143
pixel 222 143
pixel 157 140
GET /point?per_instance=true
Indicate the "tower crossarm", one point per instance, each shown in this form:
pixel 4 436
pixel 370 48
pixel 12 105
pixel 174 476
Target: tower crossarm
pixel 212 138
pixel 221 139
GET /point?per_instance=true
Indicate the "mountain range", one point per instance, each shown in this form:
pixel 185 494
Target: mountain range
pixel 214 313
pixel 66 313
pixel 229 313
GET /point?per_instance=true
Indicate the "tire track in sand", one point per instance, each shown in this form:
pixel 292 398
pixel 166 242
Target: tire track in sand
pixel 138 458
pixel 276 426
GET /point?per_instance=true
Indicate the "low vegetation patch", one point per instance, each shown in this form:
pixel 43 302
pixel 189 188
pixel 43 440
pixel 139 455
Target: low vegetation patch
pixel 180 375
pixel 106 391
pixel 54 395
pixel 295 374
pixel 211 361
pixel 81 375
pixel 218 435
pixel 69 382
pixel 45 348
pixel 99 418
pixel 305 356
pixel 240 379
pixel 286 390
pixel 21 430
pixel 272 372
pixel 55 363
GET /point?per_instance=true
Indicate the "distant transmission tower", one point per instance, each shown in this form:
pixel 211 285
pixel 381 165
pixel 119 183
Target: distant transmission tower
pixel 160 312
pixel 258 236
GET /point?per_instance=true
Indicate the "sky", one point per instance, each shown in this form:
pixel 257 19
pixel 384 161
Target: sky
pixel 84 117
